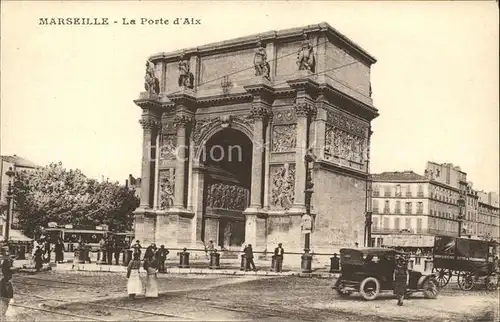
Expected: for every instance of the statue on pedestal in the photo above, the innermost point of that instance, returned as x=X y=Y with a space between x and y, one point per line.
x=260 y=62
x=186 y=78
x=305 y=57
x=151 y=82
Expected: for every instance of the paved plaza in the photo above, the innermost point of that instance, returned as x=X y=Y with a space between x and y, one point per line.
x=101 y=296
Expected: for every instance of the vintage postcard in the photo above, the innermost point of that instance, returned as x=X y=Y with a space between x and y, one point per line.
x=249 y=160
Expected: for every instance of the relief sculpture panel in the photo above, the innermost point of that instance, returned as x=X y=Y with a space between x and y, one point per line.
x=282 y=186
x=284 y=138
x=227 y=196
x=344 y=145
x=168 y=147
x=167 y=185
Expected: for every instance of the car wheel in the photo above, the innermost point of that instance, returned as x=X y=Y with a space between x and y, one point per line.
x=430 y=288
x=369 y=288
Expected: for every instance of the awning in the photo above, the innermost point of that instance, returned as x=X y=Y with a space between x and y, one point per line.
x=18 y=236
x=408 y=241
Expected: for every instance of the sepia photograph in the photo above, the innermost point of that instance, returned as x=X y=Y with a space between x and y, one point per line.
x=249 y=161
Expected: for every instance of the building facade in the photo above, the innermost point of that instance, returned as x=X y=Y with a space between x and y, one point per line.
x=410 y=209
x=17 y=164
x=235 y=132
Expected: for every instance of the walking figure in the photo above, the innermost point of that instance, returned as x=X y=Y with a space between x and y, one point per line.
x=151 y=268
x=400 y=279
x=249 y=257
x=6 y=295
x=134 y=284
x=278 y=257
x=161 y=257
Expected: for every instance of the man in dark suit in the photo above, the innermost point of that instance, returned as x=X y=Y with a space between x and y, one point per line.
x=249 y=257
x=161 y=257
x=278 y=256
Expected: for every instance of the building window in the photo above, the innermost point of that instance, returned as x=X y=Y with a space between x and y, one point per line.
x=420 y=208
x=408 y=191
x=408 y=223
x=374 y=223
x=386 y=207
x=420 y=190
x=419 y=225
x=408 y=208
x=387 y=191
x=398 y=207
x=375 y=206
x=398 y=190
x=386 y=223
x=396 y=223
x=376 y=190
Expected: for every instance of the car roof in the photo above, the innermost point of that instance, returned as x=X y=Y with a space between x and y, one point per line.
x=371 y=250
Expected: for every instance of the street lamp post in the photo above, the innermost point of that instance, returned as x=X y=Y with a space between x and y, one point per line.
x=10 y=194
x=461 y=204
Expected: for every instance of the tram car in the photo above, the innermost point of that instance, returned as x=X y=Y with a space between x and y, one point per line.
x=471 y=260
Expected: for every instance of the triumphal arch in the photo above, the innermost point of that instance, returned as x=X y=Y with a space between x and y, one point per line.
x=237 y=134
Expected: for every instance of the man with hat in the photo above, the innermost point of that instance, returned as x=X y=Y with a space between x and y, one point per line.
x=400 y=278
x=278 y=257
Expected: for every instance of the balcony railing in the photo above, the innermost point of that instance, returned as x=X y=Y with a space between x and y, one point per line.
x=420 y=194
x=413 y=231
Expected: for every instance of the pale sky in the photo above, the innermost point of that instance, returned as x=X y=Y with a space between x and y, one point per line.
x=67 y=91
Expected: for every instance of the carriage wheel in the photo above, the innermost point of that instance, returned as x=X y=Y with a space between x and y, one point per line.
x=443 y=276
x=466 y=281
x=491 y=282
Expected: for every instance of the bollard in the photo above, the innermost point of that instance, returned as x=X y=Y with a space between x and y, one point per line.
x=334 y=264
x=127 y=257
x=243 y=262
x=306 y=264
x=22 y=252
x=183 y=259
x=214 y=260
x=273 y=263
x=81 y=256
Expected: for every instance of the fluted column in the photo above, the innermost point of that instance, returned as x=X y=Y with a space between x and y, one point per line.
x=181 y=121
x=147 y=124
x=303 y=109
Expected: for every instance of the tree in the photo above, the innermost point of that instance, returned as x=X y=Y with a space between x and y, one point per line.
x=69 y=197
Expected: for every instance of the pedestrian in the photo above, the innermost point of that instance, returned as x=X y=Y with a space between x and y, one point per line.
x=151 y=266
x=400 y=279
x=7 y=264
x=48 y=250
x=59 y=250
x=38 y=258
x=102 y=242
x=134 y=284
x=278 y=257
x=6 y=295
x=161 y=257
x=110 y=249
x=118 y=248
x=150 y=251
x=137 y=247
x=249 y=257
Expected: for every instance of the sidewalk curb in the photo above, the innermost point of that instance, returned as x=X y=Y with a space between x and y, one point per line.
x=195 y=271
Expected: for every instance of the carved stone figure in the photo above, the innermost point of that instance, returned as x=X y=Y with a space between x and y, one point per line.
x=260 y=62
x=167 y=185
x=305 y=57
x=167 y=150
x=226 y=196
x=284 y=138
x=186 y=78
x=283 y=181
x=344 y=145
x=151 y=82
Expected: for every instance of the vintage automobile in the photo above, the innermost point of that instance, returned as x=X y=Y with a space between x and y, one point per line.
x=369 y=271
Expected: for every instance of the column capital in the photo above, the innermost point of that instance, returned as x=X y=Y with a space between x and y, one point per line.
x=304 y=108
x=261 y=110
x=183 y=120
x=149 y=123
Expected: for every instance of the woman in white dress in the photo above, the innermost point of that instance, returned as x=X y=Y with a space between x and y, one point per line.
x=134 y=284
x=151 y=267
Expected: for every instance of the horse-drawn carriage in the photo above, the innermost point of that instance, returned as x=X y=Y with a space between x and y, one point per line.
x=470 y=260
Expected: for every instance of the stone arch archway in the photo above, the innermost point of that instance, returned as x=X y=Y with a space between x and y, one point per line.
x=205 y=129
x=226 y=159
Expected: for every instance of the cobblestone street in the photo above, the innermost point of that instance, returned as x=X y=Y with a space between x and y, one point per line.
x=83 y=296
